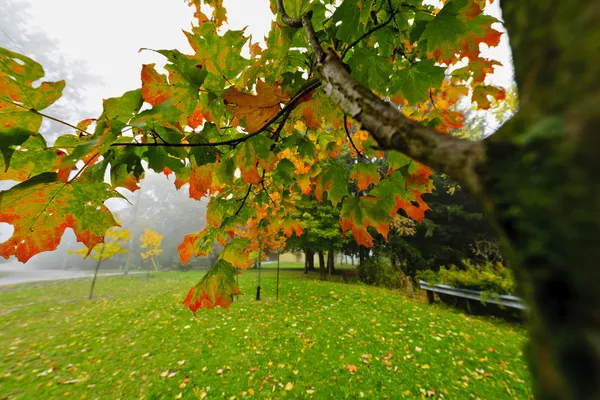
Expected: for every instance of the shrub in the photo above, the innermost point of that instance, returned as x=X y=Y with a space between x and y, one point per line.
x=492 y=278
x=378 y=270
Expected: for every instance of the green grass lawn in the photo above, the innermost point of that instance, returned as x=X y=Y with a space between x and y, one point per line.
x=320 y=340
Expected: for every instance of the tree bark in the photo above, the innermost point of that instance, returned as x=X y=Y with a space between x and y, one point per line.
x=322 y=265
x=361 y=256
x=311 y=261
x=330 y=261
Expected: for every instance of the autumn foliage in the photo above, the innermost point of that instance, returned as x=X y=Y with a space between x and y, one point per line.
x=218 y=111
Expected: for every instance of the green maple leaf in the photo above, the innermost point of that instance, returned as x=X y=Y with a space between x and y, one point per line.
x=222 y=54
x=41 y=208
x=333 y=180
x=123 y=108
x=31 y=159
x=190 y=68
x=284 y=172
x=444 y=31
x=371 y=69
x=126 y=169
x=415 y=81
x=348 y=15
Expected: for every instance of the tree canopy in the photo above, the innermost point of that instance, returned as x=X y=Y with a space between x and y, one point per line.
x=256 y=127
x=255 y=140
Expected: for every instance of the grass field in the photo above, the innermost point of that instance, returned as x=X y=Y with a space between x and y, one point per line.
x=320 y=340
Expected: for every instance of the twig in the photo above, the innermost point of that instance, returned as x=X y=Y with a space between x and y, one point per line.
x=350 y=137
x=308 y=87
x=368 y=33
x=244 y=200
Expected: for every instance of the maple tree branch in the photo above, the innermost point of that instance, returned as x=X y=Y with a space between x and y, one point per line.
x=293 y=22
x=459 y=158
x=244 y=200
x=41 y=114
x=308 y=87
x=369 y=33
x=350 y=137
x=456 y=157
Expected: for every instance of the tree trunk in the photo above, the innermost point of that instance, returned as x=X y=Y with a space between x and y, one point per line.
x=322 y=265
x=311 y=260
x=361 y=256
x=95 y=276
x=543 y=191
x=306 y=261
x=330 y=261
x=538 y=177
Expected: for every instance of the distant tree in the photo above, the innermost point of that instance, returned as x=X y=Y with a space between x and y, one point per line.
x=151 y=241
x=114 y=242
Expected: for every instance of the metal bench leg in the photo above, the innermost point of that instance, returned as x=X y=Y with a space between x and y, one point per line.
x=430 y=297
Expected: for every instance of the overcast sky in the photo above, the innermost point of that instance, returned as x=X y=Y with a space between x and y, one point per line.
x=108 y=34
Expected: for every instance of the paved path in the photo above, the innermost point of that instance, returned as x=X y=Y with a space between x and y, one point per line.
x=13 y=276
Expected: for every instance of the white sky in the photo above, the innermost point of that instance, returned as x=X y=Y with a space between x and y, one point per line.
x=108 y=34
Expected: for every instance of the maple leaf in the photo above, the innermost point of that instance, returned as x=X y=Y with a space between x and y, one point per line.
x=443 y=33
x=236 y=253
x=41 y=208
x=201 y=180
x=155 y=88
x=416 y=212
x=333 y=180
x=482 y=92
x=365 y=175
x=216 y=288
x=415 y=82
x=18 y=96
x=253 y=152
x=290 y=226
x=358 y=213
x=257 y=109
x=33 y=157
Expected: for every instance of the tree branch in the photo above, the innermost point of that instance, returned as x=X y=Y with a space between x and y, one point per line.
x=456 y=157
x=308 y=87
x=461 y=159
x=244 y=200
x=350 y=137
x=293 y=22
x=369 y=33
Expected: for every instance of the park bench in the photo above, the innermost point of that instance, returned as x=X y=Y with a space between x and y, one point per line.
x=469 y=294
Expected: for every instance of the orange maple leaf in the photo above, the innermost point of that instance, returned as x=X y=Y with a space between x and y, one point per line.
x=257 y=109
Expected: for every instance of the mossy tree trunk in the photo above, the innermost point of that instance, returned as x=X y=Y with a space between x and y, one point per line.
x=538 y=178
x=542 y=190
